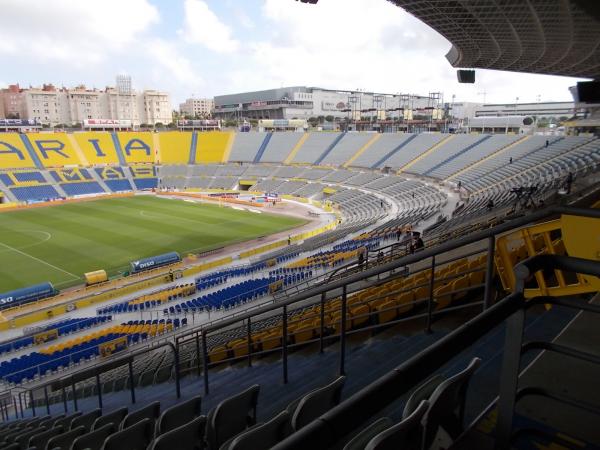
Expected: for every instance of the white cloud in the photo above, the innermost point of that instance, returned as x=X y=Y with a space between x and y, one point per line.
x=170 y=64
x=74 y=31
x=339 y=44
x=202 y=26
x=372 y=45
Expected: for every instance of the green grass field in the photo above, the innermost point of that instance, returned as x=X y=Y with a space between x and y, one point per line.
x=60 y=243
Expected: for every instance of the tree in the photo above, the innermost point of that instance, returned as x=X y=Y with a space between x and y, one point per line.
x=329 y=118
x=542 y=122
x=321 y=119
x=172 y=125
x=159 y=125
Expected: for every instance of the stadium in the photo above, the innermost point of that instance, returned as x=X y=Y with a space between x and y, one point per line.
x=228 y=289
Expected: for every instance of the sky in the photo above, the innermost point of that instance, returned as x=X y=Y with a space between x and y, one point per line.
x=203 y=48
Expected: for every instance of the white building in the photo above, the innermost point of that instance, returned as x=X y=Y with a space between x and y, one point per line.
x=469 y=110
x=53 y=106
x=301 y=102
x=197 y=107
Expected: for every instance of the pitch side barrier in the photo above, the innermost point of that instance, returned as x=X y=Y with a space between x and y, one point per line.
x=26 y=295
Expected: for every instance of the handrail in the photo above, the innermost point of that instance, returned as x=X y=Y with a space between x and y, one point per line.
x=332 y=426
x=401 y=262
x=95 y=371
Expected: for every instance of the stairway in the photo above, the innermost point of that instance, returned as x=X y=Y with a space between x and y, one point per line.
x=457 y=154
x=193 y=146
x=50 y=180
x=98 y=179
x=119 y=150
x=392 y=152
x=426 y=153
x=329 y=149
x=493 y=155
x=7 y=193
x=262 y=148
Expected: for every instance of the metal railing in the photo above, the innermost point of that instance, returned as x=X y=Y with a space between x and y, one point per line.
x=334 y=426
x=24 y=398
x=199 y=335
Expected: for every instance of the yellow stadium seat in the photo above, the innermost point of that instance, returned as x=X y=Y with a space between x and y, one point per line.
x=442 y=296
x=239 y=347
x=218 y=354
x=474 y=264
x=359 y=316
x=387 y=311
x=175 y=147
x=405 y=302
x=460 y=283
x=476 y=278
x=97 y=146
x=305 y=331
x=270 y=340
x=13 y=152
x=336 y=321
x=421 y=293
x=54 y=149
x=137 y=147
x=213 y=146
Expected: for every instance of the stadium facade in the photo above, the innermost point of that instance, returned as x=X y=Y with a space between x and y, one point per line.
x=303 y=102
x=469 y=110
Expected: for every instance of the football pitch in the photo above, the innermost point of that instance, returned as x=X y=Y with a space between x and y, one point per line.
x=60 y=243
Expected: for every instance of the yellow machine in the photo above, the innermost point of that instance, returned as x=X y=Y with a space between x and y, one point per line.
x=95 y=277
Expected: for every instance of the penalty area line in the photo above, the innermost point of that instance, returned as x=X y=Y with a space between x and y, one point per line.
x=39 y=260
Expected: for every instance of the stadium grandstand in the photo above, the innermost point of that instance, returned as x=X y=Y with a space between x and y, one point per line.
x=359 y=290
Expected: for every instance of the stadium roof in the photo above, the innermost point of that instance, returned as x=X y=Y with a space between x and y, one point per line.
x=554 y=37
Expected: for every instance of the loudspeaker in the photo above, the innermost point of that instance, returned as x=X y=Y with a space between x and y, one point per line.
x=588 y=91
x=465 y=76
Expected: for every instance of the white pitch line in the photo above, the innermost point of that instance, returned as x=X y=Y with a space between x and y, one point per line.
x=39 y=260
x=47 y=235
